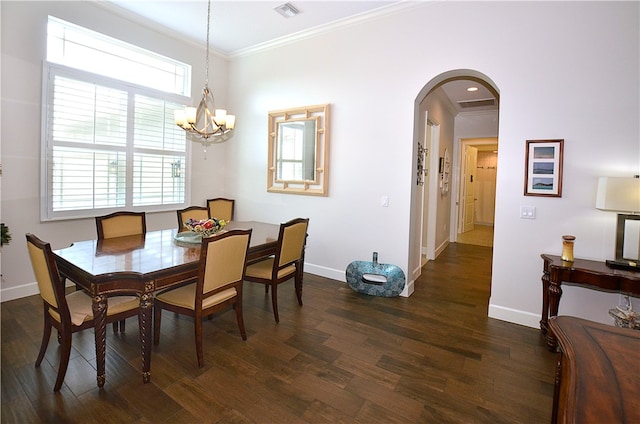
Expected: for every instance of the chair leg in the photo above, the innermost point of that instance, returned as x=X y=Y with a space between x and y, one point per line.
x=46 y=334
x=274 y=301
x=65 y=352
x=115 y=327
x=198 y=331
x=122 y=325
x=298 y=286
x=157 y=317
x=237 y=306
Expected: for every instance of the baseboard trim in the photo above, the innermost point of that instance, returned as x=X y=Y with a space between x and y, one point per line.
x=441 y=248
x=13 y=293
x=25 y=290
x=323 y=271
x=514 y=316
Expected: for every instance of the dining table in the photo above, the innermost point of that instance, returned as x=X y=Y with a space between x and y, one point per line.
x=142 y=265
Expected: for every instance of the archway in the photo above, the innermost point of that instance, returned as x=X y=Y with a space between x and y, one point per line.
x=421 y=116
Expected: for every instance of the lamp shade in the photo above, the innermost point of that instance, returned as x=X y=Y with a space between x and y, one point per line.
x=618 y=194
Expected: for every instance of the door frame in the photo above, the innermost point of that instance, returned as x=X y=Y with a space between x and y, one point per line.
x=412 y=267
x=463 y=143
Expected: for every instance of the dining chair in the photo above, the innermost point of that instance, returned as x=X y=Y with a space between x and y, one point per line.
x=221 y=208
x=67 y=313
x=193 y=212
x=285 y=264
x=219 y=285
x=121 y=224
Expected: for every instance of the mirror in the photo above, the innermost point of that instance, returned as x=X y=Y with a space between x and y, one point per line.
x=298 y=150
x=628 y=238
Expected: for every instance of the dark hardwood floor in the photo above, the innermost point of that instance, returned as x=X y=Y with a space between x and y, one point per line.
x=343 y=357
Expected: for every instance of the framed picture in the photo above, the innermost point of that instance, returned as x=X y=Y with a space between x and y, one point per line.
x=543 y=168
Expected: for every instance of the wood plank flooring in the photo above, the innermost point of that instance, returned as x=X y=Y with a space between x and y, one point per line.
x=343 y=357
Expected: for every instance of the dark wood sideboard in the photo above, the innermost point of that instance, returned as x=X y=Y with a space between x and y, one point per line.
x=598 y=373
x=595 y=275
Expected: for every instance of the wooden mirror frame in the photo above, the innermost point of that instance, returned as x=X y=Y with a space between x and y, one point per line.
x=319 y=185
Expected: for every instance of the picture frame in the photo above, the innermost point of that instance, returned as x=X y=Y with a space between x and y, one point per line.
x=543 y=168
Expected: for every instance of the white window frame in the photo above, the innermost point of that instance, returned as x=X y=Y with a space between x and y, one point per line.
x=46 y=183
x=72 y=44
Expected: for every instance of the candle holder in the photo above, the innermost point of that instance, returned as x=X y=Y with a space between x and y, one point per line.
x=567 y=248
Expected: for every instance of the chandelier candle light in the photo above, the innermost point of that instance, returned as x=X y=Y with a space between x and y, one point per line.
x=206 y=124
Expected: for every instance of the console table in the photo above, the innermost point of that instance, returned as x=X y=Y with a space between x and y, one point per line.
x=598 y=374
x=595 y=275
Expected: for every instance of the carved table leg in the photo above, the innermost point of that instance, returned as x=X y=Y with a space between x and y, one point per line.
x=146 y=327
x=555 y=293
x=99 y=307
x=544 y=320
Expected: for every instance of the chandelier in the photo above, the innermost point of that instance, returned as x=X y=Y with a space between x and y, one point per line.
x=206 y=124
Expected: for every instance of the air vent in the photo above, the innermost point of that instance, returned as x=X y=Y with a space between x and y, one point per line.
x=287 y=10
x=477 y=103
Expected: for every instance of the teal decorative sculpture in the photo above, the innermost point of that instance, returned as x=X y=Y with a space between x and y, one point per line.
x=374 y=278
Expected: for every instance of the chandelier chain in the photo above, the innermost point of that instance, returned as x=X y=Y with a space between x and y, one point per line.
x=206 y=69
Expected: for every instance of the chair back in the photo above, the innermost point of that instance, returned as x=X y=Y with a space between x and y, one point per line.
x=121 y=224
x=291 y=240
x=221 y=208
x=192 y=212
x=222 y=260
x=47 y=276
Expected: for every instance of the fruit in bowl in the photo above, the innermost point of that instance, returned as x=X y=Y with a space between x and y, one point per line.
x=205 y=227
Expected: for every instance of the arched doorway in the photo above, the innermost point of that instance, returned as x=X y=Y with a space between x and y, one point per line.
x=441 y=177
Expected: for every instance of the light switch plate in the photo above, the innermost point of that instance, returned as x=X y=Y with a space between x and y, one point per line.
x=528 y=212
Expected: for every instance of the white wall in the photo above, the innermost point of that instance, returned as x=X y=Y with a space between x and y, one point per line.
x=558 y=77
x=551 y=83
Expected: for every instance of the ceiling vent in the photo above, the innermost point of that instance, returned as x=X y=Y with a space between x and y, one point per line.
x=287 y=10
x=477 y=103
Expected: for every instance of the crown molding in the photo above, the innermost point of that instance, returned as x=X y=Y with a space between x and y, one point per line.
x=381 y=12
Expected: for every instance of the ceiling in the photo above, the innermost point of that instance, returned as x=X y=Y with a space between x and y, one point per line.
x=238 y=26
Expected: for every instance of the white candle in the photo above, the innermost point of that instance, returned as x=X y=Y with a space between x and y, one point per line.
x=179 y=117
x=191 y=115
x=221 y=116
x=231 y=121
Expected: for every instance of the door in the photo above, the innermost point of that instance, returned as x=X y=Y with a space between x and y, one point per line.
x=470 y=166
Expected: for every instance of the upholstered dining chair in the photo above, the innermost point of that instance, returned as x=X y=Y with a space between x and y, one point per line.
x=192 y=212
x=219 y=285
x=121 y=224
x=67 y=313
x=285 y=264
x=221 y=208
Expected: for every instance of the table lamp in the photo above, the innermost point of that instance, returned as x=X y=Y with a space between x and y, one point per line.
x=622 y=195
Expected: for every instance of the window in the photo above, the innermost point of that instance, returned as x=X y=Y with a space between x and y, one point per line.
x=109 y=137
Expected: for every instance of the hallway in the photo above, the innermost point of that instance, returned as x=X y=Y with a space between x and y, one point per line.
x=481 y=235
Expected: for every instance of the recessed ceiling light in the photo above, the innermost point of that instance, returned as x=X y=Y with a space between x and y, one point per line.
x=472 y=89
x=287 y=10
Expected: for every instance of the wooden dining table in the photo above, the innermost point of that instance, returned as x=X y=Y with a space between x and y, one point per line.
x=142 y=265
